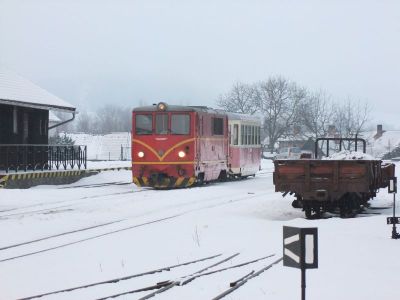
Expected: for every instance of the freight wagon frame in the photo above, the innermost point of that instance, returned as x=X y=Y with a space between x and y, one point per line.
x=330 y=185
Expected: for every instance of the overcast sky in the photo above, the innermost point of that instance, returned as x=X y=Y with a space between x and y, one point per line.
x=188 y=52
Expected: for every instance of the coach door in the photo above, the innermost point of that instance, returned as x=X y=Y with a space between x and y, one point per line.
x=199 y=121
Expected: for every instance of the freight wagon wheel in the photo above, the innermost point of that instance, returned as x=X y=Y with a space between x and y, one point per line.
x=308 y=212
x=313 y=212
x=349 y=205
x=200 y=179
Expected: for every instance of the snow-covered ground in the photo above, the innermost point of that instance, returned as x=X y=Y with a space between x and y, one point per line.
x=153 y=229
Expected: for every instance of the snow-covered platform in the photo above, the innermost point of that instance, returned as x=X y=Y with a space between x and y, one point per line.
x=27 y=179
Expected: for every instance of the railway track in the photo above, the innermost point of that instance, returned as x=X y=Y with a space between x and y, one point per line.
x=169 y=217
x=115 y=280
x=164 y=286
x=95 y=185
x=242 y=281
x=52 y=208
x=58 y=235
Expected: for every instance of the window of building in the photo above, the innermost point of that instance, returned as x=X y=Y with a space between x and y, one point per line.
x=43 y=126
x=144 y=124
x=161 y=124
x=180 y=124
x=15 y=120
x=218 y=126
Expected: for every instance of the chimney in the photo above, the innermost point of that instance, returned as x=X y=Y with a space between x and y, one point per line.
x=379 y=131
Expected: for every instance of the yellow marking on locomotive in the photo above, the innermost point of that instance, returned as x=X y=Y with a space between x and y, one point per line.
x=175 y=146
x=163 y=163
x=179 y=181
x=166 y=182
x=161 y=158
x=191 y=181
x=136 y=181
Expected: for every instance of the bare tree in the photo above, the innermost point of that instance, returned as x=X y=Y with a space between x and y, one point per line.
x=351 y=118
x=113 y=118
x=84 y=122
x=316 y=114
x=240 y=99
x=279 y=101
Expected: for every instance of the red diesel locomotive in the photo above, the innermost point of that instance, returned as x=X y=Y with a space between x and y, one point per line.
x=178 y=146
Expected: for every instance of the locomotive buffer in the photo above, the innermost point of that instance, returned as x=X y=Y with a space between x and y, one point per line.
x=392 y=189
x=300 y=250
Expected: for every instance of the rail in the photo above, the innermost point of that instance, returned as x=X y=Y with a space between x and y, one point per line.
x=24 y=157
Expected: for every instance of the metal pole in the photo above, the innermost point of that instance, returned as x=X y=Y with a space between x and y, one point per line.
x=303 y=284
x=395 y=235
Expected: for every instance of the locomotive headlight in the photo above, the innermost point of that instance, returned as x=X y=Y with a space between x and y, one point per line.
x=181 y=154
x=140 y=154
x=162 y=106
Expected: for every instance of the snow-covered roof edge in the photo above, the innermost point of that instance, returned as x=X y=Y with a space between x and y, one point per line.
x=18 y=91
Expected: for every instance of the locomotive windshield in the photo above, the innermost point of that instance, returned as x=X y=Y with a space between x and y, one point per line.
x=180 y=124
x=144 y=124
x=161 y=124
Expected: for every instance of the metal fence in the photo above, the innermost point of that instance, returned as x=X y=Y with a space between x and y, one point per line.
x=42 y=157
x=125 y=152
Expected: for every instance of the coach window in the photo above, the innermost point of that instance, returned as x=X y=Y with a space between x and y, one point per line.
x=144 y=124
x=235 y=134
x=241 y=134
x=257 y=135
x=218 y=126
x=161 y=124
x=250 y=135
x=180 y=124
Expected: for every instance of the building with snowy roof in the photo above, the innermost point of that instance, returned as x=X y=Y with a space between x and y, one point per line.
x=24 y=118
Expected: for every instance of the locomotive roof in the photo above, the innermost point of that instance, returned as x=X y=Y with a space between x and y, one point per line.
x=189 y=108
x=243 y=117
x=179 y=108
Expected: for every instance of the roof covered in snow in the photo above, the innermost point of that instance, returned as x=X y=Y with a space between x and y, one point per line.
x=377 y=147
x=16 y=90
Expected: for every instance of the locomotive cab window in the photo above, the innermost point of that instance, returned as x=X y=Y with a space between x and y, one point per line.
x=180 y=124
x=161 y=124
x=218 y=126
x=144 y=124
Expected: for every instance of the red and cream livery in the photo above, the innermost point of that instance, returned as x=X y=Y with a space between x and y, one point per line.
x=178 y=146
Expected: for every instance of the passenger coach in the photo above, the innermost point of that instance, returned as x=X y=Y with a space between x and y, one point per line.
x=178 y=146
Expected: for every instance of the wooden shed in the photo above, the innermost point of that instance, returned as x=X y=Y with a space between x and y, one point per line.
x=24 y=120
